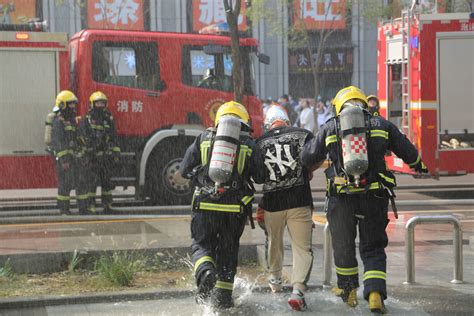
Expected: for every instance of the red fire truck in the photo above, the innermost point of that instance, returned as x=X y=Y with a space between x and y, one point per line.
x=163 y=89
x=426 y=83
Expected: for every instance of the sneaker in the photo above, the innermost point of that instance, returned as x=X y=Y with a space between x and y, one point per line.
x=348 y=296
x=297 y=301
x=376 y=304
x=275 y=285
x=206 y=284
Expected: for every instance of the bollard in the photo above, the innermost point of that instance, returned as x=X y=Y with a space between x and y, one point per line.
x=410 y=245
x=327 y=265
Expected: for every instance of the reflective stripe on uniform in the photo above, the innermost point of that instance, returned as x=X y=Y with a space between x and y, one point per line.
x=350 y=188
x=247 y=199
x=379 y=133
x=205 y=145
x=330 y=139
x=63 y=198
x=202 y=260
x=116 y=149
x=416 y=161
x=82 y=196
x=70 y=128
x=65 y=152
x=347 y=271
x=388 y=179
x=231 y=208
x=375 y=274
x=225 y=285
x=243 y=153
x=106 y=192
x=97 y=127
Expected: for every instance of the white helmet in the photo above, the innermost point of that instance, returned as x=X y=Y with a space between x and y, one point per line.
x=276 y=116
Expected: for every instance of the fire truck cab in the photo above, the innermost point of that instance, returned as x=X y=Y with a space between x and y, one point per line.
x=425 y=85
x=163 y=90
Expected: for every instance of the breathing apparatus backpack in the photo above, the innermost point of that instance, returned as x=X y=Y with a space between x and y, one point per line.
x=352 y=132
x=48 y=130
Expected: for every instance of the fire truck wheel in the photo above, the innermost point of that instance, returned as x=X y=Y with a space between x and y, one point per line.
x=166 y=186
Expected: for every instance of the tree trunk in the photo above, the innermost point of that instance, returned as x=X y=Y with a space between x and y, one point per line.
x=232 y=14
x=316 y=66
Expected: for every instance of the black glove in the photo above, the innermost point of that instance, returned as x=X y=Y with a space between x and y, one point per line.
x=420 y=167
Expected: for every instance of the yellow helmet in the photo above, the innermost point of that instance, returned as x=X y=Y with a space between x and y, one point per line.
x=97 y=96
x=234 y=108
x=347 y=94
x=63 y=98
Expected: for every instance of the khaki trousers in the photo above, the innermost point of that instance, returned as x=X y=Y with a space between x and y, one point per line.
x=300 y=226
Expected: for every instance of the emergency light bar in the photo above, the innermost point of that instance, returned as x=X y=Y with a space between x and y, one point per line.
x=33 y=26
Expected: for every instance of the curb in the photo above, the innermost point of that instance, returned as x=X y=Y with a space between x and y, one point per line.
x=110 y=297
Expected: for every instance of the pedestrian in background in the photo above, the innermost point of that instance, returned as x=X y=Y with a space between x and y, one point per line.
x=284 y=101
x=287 y=202
x=323 y=111
x=307 y=118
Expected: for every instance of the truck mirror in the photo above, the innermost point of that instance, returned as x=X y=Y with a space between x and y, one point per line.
x=213 y=49
x=264 y=59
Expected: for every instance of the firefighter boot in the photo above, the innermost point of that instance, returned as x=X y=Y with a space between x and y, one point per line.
x=63 y=206
x=206 y=282
x=107 y=202
x=376 y=304
x=221 y=299
x=348 y=296
x=297 y=301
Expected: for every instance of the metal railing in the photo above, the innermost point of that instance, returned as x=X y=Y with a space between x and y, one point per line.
x=410 y=244
x=327 y=263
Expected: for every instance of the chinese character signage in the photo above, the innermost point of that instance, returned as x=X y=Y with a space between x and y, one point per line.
x=334 y=61
x=207 y=12
x=17 y=11
x=319 y=14
x=115 y=14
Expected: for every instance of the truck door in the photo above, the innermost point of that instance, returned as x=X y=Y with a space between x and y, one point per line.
x=129 y=74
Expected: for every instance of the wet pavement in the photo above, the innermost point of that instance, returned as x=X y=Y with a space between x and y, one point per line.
x=433 y=294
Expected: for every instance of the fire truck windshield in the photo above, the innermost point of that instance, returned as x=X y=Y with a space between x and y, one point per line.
x=214 y=71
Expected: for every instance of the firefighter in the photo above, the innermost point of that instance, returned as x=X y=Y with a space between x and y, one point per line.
x=358 y=190
x=98 y=155
x=221 y=161
x=287 y=201
x=374 y=104
x=63 y=145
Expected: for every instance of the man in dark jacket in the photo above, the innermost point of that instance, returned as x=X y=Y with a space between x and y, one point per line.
x=286 y=201
x=359 y=200
x=63 y=145
x=220 y=209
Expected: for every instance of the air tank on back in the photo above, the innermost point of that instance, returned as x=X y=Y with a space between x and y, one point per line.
x=354 y=141
x=224 y=151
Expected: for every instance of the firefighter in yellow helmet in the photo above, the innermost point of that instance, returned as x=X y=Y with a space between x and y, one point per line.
x=222 y=162
x=98 y=155
x=63 y=145
x=358 y=190
x=374 y=104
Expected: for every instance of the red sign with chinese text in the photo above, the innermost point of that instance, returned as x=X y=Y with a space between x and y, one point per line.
x=17 y=11
x=115 y=14
x=207 y=12
x=320 y=14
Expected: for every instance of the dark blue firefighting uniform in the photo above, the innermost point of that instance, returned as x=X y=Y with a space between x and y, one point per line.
x=98 y=148
x=365 y=206
x=63 y=145
x=218 y=222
